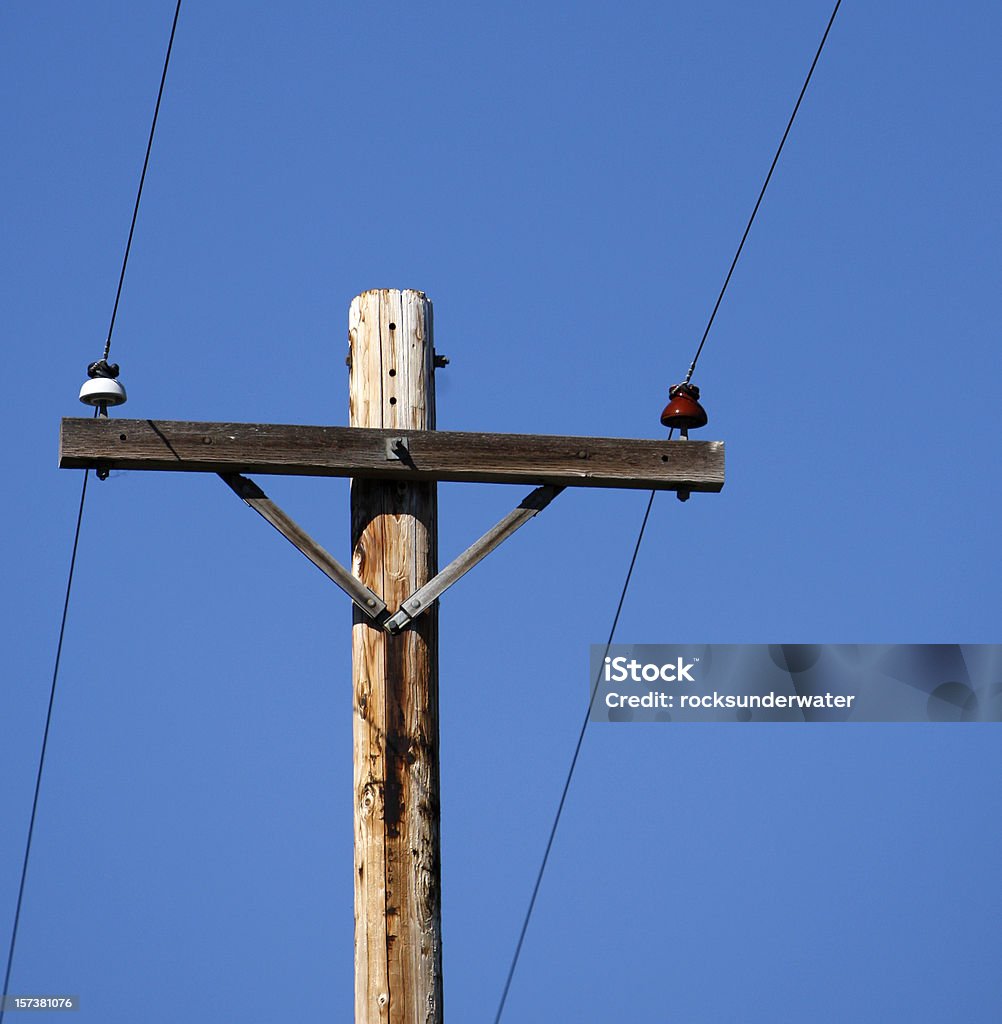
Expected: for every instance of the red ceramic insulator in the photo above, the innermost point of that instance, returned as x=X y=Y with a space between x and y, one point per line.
x=683 y=411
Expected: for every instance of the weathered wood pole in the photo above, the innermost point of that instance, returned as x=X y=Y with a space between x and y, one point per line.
x=398 y=948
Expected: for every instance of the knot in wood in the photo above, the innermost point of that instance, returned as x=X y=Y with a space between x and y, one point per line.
x=370 y=797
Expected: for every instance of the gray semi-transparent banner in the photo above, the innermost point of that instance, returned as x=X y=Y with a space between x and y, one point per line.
x=796 y=683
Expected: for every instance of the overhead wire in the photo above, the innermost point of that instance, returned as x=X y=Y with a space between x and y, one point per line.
x=76 y=539
x=640 y=536
x=142 y=181
x=570 y=771
x=761 y=194
x=45 y=743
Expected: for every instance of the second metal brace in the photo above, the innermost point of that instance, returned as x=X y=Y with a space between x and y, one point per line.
x=423 y=598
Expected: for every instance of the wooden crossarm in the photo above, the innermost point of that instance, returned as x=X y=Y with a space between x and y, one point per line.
x=410 y=455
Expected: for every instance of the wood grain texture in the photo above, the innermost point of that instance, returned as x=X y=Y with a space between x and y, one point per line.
x=361 y=451
x=398 y=955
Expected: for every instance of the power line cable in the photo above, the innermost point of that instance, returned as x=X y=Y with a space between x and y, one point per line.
x=45 y=743
x=570 y=771
x=76 y=533
x=761 y=195
x=643 y=526
x=142 y=181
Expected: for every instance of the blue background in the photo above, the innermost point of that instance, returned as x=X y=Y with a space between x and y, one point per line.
x=568 y=183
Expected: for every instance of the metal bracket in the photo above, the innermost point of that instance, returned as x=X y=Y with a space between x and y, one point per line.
x=397 y=449
x=371 y=604
x=421 y=600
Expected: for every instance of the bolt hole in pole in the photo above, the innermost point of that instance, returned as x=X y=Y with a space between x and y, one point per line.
x=393 y=327
x=393 y=373
x=393 y=401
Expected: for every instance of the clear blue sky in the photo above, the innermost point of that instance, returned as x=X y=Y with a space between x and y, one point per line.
x=567 y=182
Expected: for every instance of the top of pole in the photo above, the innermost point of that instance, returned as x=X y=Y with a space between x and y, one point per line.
x=392 y=360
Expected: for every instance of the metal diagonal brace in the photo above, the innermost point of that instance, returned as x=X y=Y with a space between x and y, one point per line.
x=370 y=603
x=422 y=599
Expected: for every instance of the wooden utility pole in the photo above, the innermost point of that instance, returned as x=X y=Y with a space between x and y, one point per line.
x=398 y=933
x=395 y=456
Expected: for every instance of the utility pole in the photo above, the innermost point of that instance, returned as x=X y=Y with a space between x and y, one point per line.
x=394 y=456
x=398 y=926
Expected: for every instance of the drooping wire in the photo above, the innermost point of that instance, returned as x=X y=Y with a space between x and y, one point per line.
x=45 y=743
x=761 y=195
x=76 y=536
x=142 y=181
x=570 y=770
x=643 y=526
